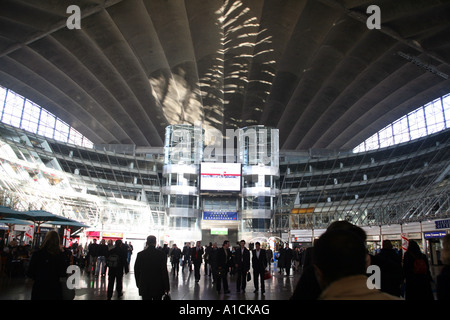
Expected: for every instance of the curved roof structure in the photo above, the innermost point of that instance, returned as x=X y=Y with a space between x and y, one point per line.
x=311 y=68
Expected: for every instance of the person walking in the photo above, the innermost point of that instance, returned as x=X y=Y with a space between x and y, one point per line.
x=47 y=266
x=102 y=250
x=223 y=264
x=259 y=264
x=242 y=264
x=150 y=272
x=117 y=264
x=175 y=257
x=207 y=262
x=93 y=254
x=269 y=255
x=197 y=258
x=281 y=259
x=213 y=261
x=187 y=256
x=288 y=256
x=129 y=252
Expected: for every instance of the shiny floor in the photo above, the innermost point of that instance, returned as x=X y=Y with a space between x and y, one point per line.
x=183 y=287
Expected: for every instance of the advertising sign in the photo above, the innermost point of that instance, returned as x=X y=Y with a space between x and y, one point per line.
x=442 y=224
x=220 y=215
x=220 y=177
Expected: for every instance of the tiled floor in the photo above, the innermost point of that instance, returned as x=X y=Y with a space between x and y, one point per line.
x=183 y=287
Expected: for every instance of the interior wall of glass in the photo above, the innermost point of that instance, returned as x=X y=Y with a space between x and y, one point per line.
x=259 y=145
x=430 y=118
x=183 y=144
x=22 y=113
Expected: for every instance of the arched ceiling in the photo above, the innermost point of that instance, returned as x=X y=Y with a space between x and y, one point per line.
x=311 y=68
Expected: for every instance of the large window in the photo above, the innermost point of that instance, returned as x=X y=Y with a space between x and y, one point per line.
x=428 y=119
x=22 y=113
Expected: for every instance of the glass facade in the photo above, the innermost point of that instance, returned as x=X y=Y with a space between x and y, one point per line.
x=259 y=154
x=25 y=114
x=430 y=118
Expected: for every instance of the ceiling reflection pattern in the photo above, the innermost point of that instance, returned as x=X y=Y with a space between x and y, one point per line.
x=311 y=68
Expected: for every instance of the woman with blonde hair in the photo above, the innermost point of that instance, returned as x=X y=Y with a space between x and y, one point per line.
x=443 y=279
x=47 y=265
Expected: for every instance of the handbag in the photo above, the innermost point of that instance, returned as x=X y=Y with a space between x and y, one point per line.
x=249 y=276
x=267 y=275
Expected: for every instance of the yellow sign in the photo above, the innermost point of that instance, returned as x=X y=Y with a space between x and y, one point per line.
x=302 y=210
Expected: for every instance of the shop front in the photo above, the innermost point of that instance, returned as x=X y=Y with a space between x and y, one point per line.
x=434 y=246
x=99 y=235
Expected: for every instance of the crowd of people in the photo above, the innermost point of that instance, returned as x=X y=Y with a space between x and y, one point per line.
x=219 y=262
x=336 y=267
x=14 y=257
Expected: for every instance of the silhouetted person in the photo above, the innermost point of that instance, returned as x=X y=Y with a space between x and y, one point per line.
x=175 y=257
x=117 y=265
x=287 y=256
x=223 y=264
x=417 y=274
x=47 y=266
x=341 y=261
x=308 y=287
x=93 y=255
x=390 y=265
x=213 y=261
x=150 y=272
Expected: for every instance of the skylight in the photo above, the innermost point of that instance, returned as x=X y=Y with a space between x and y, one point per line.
x=22 y=113
x=430 y=118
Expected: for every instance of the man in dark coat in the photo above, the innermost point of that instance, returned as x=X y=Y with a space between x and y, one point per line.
x=186 y=256
x=150 y=272
x=213 y=261
x=223 y=264
x=288 y=256
x=242 y=264
x=117 y=264
x=93 y=254
x=390 y=264
x=197 y=258
x=259 y=264
x=175 y=257
x=281 y=259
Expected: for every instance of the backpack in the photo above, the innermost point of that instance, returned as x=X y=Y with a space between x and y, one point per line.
x=113 y=261
x=420 y=266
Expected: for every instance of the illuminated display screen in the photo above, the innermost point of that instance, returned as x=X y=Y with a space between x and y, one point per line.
x=220 y=176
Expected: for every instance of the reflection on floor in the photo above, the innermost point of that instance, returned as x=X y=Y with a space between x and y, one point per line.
x=183 y=287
